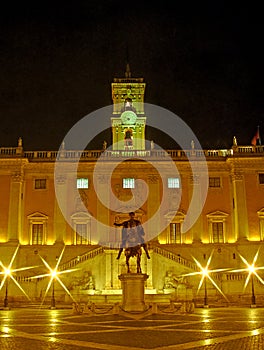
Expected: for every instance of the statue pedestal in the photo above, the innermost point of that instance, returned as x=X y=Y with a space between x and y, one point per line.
x=133 y=286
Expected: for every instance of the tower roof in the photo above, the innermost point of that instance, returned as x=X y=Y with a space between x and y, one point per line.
x=127 y=78
x=127 y=73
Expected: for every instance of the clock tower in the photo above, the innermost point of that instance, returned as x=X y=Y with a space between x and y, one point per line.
x=128 y=118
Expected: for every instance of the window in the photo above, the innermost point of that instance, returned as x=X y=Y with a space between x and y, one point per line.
x=175 y=233
x=218 y=232
x=173 y=182
x=82 y=228
x=261 y=179
x=128 y=183
x=37 y=228
x=40 y=184
x=214 y=181
x=82 y=234
x=37 y=233
x=217 y=226
x=174 y=227
x=82 y=183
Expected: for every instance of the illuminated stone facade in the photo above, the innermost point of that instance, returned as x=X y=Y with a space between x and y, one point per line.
x=231 y=222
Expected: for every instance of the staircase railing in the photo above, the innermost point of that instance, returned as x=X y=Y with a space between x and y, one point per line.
x=81 y=258
x=175 y=257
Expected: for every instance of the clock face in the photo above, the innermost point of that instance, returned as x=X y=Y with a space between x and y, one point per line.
x=128 y=117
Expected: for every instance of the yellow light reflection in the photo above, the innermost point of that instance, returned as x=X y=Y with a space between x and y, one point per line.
x=206 y=320
x=208 y=341
x=5 y=329
x=255 y=332
x=52 y=339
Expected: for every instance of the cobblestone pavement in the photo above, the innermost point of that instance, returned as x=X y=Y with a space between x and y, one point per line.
x=205 y=329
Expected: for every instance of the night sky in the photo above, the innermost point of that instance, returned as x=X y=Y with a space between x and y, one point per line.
x=204 y=62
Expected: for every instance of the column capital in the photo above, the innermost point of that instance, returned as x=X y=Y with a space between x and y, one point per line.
x=17 y=176
x=237 y=177
x=153 y=179
x=195 y=179
x=61 y=180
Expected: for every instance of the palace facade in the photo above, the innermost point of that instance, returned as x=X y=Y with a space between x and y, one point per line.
x=227 y=235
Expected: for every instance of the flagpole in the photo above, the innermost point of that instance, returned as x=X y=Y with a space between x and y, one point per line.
x=259 y=139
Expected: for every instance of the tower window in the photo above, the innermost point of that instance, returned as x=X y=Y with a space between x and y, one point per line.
x=128 y=183
x=173 y=182
x=82 y=183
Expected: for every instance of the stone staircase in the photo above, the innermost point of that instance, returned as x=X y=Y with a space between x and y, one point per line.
x=81 y=258
x=166 y=253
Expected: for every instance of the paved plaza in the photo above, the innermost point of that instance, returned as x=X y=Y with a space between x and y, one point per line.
x=218 y=328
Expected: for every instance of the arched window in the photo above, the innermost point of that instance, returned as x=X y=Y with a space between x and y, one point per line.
x=128 y=138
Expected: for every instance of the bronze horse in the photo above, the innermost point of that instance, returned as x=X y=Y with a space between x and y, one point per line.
x=135 y=251
x=133 y=247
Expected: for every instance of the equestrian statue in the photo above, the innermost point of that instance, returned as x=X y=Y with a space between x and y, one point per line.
x=132 y=241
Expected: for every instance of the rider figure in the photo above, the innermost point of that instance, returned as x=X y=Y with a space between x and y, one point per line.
x=128 y=227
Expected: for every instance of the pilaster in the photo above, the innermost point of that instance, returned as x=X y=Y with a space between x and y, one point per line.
x=196 y=207
x=102 y=216
x=153 y=227
x=240 y=208
x=15 y=206
x=59 y=220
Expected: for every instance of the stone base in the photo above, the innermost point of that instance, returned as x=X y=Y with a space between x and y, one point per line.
x=133 y=291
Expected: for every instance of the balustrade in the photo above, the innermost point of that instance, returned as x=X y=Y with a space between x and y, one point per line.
x=6 y=152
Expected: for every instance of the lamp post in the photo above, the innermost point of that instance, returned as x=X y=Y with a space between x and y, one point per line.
x=205 y=293
x=53 y=302
x=6 y=295
x=253 y=297
x=251 y=271
x=205 y=274
x=7 y=274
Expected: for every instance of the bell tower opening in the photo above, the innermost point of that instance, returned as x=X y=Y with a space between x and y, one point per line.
x=128 y=139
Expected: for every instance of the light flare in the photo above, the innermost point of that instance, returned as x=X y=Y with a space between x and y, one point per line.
x=251 y=269
x=8 y=272
x=54 y=274
x=205 y=273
